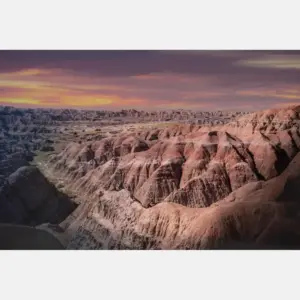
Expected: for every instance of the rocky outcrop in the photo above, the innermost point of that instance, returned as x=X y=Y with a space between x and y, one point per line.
x=191 y=187
x=263 y=214
x=190 y=166
x=27 y=197
x=268 y=121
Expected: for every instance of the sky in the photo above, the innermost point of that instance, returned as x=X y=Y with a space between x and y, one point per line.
x=150 y=80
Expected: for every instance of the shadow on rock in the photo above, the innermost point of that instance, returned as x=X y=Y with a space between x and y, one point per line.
x=17 y=237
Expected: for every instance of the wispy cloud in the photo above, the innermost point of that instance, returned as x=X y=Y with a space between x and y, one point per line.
x=284 y=62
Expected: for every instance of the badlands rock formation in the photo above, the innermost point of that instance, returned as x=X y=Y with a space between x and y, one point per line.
x=186 y=186
x=185 y=164
x=23 y=132
x=18 y=117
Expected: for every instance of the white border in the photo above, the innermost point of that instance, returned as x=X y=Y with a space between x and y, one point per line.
x=149 y=275
x=158 y=24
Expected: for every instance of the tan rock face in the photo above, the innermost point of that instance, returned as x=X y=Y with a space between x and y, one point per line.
x=192 y=187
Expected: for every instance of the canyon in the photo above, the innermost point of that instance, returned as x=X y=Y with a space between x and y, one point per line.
x=161 y=183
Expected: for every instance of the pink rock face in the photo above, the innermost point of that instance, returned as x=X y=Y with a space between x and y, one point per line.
x=160 y=184
x=257 y=214
x=268 y=121
x=191 y=187
x=203 y=190
x=186 y=164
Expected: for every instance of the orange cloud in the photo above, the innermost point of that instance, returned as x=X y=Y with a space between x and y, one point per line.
x=19 y=101
x=31 y=72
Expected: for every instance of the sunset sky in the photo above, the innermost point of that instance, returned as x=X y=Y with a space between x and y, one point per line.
x=112 y=80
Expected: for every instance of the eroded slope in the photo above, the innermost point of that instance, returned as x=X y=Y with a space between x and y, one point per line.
x=186 y=186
